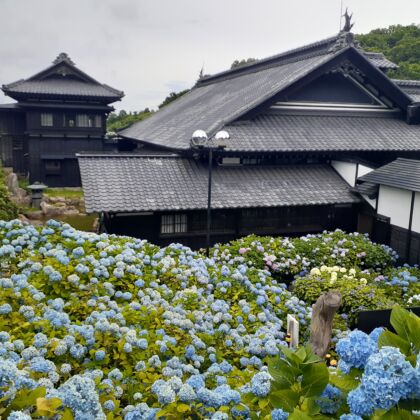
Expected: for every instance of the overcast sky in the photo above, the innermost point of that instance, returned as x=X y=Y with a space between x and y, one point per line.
x=149 y=48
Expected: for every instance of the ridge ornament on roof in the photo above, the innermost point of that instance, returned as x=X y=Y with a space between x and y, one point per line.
x=348 y=25
x=345 y=37
x=63 y=57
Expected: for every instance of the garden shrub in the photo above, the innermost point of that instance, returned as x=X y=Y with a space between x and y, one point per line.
x=358 y=290
x=8 y=210
x=287 y=257
x=103 y=326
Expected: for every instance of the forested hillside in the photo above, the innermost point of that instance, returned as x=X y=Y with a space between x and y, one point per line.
x=401 y=44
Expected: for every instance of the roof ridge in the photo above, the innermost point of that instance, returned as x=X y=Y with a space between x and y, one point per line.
x=268 y=60
x=406 y=82
x=61 y=59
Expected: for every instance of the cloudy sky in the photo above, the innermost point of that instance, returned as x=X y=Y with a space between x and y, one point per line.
x=149 y=48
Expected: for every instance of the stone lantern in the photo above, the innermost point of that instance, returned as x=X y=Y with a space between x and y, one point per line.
x=37 y=190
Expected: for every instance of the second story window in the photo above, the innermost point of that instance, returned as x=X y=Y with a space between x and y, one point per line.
x=98 y=121
x=82 y=120
x=46 y=119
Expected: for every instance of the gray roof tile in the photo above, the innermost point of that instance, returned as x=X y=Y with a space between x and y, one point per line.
x=67 y=87
x=208 y=107
x=293 y=133
x=401 y=173
x=62 y=78
x=139 y=183
x=411 y=87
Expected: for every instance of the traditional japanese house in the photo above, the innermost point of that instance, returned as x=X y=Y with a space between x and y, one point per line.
x=393 y=190
x=303 y=126
x=59 y=111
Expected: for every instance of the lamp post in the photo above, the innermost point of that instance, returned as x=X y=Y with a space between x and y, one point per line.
x=200 y=141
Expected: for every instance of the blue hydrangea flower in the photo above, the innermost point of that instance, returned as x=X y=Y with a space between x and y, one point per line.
x=261 y=384
x=279 y=414
x=330 y=400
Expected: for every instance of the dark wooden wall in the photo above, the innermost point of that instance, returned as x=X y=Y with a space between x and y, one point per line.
x=234 y=223
x=12 y=138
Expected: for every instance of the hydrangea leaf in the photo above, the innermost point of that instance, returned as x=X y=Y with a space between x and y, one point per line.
x=283 y=374
x=299 y=415
x=47 y=406
x=315 y=379
x=285 y=399
x=413 y=323
x=346 y=382
x=387 y=338
x=399 y=322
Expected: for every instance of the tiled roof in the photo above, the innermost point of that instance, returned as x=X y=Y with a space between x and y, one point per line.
x=380 y=61
x=210 y=106
x=401 y=173
x=294 y=133
x=411 y=87
x=219 y=99
x=64 y=86
x=139 y=183
x=369 y=189
x=62 y=78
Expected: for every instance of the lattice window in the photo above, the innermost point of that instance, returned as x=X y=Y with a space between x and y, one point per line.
x=82 y=120
x=173 y=223
x=46 y=119
x=98 y=121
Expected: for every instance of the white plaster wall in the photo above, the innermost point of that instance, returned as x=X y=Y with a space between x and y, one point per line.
x=416 y=214
x=395 y=203
x=363 y=170
x=347 y=170
x=371 y=202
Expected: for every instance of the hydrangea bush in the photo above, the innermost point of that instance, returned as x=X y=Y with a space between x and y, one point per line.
x=286 y=257
x=108 y=327
x=149 y=329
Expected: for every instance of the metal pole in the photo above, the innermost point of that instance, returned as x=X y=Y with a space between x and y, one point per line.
x=209 y=202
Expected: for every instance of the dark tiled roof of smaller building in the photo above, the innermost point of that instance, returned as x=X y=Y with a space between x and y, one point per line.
x=138 y=183
x=411 y=87
x=63 y=87
x=297 y=133
x=401 y=173
x=380 y=61
x=62 y=78
x=367 y=188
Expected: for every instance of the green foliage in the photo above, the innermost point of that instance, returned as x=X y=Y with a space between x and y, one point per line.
x=8 y=210
x=358 y=290
x=299 y=378
x=400 y=44
x=286 y=257
x=243 y=62
x=407 y=336
x=172 y=97
x=123 y=119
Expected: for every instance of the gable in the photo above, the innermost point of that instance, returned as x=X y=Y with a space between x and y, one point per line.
x=216 y=102
x=63 y=70
x=333 y=88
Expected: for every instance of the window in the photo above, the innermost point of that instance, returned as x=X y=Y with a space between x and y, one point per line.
x=173 y=223
x=46 y=119
x=82 y=120
x=98 y=121
x=52 y=167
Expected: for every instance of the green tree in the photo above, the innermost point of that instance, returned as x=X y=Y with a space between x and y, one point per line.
x=172 y=97
x=400 y=44
x=8 y=210
x=243 y=62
